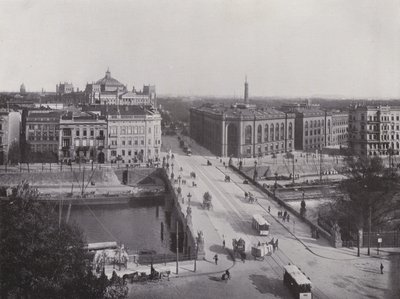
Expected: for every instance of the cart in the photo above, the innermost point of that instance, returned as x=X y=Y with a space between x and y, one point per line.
x=262 y=250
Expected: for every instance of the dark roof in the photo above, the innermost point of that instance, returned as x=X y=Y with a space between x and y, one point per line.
x=43 y=114
x=108 y=80
x=120 y=109
x=231 y=111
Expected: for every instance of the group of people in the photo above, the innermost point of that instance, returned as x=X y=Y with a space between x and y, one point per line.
x=285 y=216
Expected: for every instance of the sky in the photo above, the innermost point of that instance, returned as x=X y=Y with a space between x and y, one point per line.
x=287 y=48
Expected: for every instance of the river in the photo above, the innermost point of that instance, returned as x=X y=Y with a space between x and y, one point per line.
x=137 y=227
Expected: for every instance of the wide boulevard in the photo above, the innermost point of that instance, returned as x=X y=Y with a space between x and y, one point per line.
x=334 y=272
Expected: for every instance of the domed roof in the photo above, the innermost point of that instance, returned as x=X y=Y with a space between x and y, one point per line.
x=108 y=80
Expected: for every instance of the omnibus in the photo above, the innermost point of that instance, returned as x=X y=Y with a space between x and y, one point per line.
x=261 y=225
x=298 y=283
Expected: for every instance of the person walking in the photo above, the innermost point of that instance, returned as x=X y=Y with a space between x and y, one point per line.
x=216 y=259
x=269 y=209
x=382 y=268
x=223 y=243
x=276 y=244
x=288 y=217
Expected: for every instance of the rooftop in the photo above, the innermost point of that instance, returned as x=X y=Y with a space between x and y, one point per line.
x=242 y=110
x=108 y=80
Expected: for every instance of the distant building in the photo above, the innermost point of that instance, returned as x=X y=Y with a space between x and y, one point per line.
x=22 y=89
x=43 y=130
x=109 y=91
x=10 y=127
x=83 y=137
x=64 y=88
x=374 y=130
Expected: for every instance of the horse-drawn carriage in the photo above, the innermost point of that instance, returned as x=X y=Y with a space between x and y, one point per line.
x=239 y=247
x=193 y=175
x=227 y=178
x=207 y=201
x=209 y=163
x=250 y=197
x=207 y=204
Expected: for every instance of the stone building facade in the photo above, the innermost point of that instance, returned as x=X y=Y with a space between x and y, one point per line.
x=374 y=130
x=133 y=133
x=340 y=128
x=83 y=137
x=42 y=130
x=242 y=130
x=313 y=129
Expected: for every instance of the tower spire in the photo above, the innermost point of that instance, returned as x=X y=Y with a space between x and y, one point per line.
x=246 y=91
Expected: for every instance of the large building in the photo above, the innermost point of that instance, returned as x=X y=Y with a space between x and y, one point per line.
x=134 y=133
x=10 y=129
x=242 y=130
x=374 y=130
x=109 y=91
x=42 y=130
x=313 y=129
x=83 y=137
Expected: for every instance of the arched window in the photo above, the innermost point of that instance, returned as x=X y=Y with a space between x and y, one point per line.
x=290 y=130
x=259 y=134
x=247 y=135
x=319 y=123
x=315 y=123
x=329 y=126
x=277 y=131
x=306 y=125
x=310 y=123
x=272 y=132
x=282 y=131
x=266 y=133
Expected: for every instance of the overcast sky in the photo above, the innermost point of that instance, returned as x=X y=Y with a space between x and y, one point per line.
x=304 y=48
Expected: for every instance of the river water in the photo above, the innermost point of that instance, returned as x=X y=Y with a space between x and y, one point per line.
x=137 y=227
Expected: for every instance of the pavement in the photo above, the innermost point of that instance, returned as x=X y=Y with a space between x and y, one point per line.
x=334 y=272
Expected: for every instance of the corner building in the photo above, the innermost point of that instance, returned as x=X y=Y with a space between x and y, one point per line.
x=242 y=130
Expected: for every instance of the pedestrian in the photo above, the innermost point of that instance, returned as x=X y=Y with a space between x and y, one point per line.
x=382 y=268
x=288 y=217
x=223 y=243
x=284 y=217
x=216 y=259
x=276 y=244
x=269 y=209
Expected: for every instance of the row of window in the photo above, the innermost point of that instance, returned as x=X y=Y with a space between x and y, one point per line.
x=43 y=127
x=271 y=133
x=316 y=123
x=271 y=148
x=123 y=153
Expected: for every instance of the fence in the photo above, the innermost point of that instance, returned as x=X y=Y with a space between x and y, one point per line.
x=163 y=258
x=389 y=239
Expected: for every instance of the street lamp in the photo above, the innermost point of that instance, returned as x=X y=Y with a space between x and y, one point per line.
x=276 y=182
x=255 y=171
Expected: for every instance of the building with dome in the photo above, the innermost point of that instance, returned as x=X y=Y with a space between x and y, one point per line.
x=22 y=89
x=109 y=91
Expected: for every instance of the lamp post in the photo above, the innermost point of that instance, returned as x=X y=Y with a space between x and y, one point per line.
x=196 y=250
x=255 y=171
x=276 y=182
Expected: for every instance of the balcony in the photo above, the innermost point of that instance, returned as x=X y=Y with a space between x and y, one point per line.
x=100 y=137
